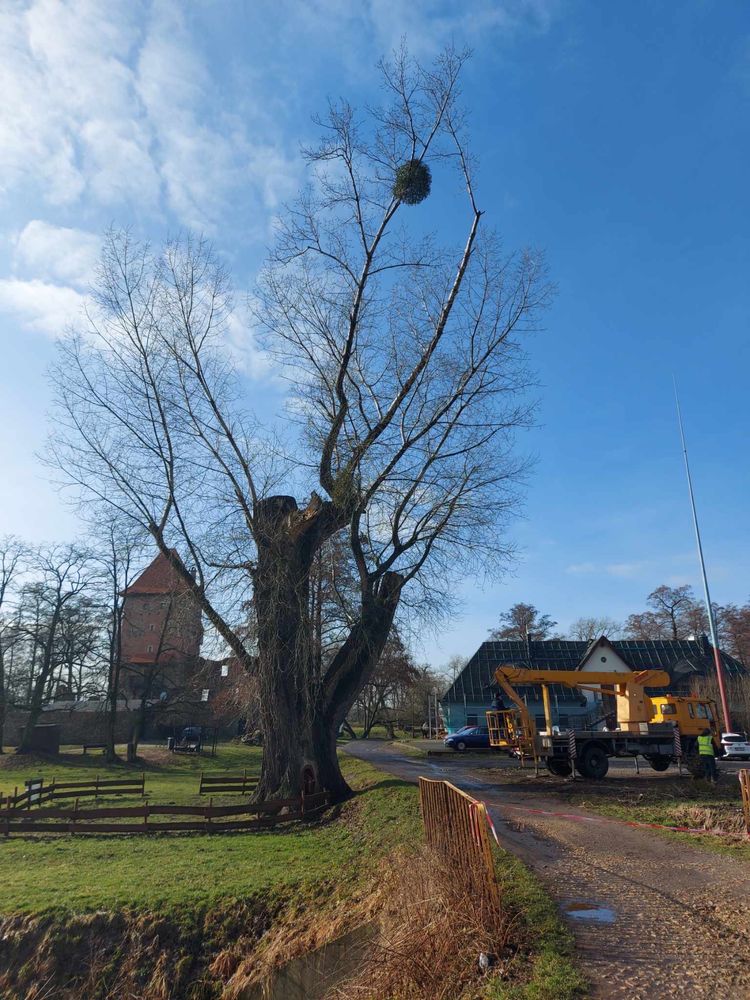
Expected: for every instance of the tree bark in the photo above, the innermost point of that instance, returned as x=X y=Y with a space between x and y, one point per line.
x=300 y=713
x=287 y=542
x=351 y=669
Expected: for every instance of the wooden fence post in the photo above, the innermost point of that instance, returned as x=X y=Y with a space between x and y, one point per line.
x=744 y=776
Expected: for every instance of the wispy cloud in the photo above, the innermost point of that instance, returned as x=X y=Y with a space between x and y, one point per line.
x=57 y=252
x=626 y=569
x=40 y=305
x=377 y=26
x=581 y=568
x=115 y=104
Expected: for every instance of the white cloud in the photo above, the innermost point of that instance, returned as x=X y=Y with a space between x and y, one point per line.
x=626 y=569
x=41 y=306
x=56 y=252
x=580 y=568
x=366 y=30
x=243 y=347
x=112 y=103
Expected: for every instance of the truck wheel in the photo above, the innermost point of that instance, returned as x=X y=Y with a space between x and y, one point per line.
x=659 y=762
x=592 y=762
x=560 y=768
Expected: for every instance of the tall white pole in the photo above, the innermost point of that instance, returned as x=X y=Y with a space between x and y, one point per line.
x=709 y=606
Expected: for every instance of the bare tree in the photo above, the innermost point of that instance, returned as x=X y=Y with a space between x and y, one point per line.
x=405 y=375
x=62 y=574
x=673 y=613
x=13 y=556
x=523 y=621
x=734 y=624
x=118 y=544
x=588 y=629
x=383 y=695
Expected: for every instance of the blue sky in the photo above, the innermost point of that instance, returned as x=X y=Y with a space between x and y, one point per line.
x=616 y=136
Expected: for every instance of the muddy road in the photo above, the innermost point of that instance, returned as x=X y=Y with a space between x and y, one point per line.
x=653 y=917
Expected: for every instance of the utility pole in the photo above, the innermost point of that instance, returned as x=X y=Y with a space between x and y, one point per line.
x=709 y=606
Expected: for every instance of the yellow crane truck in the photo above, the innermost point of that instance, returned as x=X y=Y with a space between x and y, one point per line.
x=646 y=726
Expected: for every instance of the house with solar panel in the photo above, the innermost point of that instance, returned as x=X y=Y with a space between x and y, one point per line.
x=471 y=693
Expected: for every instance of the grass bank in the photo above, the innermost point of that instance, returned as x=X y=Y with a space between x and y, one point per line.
x=170 y=916
x=548 y=949
x=79 y=874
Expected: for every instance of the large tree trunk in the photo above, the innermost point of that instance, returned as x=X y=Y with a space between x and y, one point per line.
x=351 y=669
x=300 y=714
x=286 y=547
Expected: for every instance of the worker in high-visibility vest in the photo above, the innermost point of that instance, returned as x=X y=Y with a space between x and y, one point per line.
x=707 y=756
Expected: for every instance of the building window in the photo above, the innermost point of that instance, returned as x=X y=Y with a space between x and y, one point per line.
x=149 y=649
x=563 y=722
x=225 y=670
x=134 y=631
x=472 y=720
x=204 y=694
x=540 y=721
x=152 y=627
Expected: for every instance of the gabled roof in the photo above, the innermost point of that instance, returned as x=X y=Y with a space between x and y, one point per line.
x=680 y=657
x=159 y=577
x=602 y=643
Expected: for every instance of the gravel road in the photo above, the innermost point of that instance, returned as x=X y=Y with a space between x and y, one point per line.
x=653 y=917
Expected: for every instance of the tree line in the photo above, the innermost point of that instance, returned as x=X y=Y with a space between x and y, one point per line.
x=62 y=621
x=670 y=613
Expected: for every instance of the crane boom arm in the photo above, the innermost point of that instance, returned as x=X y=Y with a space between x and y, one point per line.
x=580 y=678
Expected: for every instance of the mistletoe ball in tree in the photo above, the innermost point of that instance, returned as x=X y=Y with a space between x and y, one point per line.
x=413 y=182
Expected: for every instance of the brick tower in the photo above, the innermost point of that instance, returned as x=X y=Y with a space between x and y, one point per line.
x=161 y=633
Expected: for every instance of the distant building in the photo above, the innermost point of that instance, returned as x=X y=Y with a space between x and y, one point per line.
x=470 y=695
x=161 y=633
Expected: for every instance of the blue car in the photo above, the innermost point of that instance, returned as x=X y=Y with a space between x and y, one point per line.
x=469 y=738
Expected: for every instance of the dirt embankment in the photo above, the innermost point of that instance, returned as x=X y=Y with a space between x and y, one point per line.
x=180 y=955
x=104 y=955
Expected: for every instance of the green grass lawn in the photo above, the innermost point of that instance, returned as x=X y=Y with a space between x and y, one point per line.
x=301 y=866
x=170 y=778
x=65 y=873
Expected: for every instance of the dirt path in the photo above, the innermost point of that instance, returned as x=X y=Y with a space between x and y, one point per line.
x=652 y=917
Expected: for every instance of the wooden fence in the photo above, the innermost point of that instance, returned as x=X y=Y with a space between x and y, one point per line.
x=212 y=784
x=456 y=826
x=140 y=819
x=37 y=792
x=744 y=776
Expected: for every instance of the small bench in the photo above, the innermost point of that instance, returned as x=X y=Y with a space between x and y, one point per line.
x=94 y=746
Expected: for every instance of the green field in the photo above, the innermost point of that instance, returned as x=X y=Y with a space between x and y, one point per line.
x=62 y=873
x=304 y=868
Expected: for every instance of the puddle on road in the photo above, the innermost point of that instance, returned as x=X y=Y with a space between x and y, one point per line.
x=589 y=911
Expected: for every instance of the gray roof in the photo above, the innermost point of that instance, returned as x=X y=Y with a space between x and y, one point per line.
x=680 y=657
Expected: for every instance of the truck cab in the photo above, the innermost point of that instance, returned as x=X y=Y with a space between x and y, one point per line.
x=691 y=715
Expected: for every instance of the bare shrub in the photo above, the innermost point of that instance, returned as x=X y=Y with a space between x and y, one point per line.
x=721 y=818
x=433 y=926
